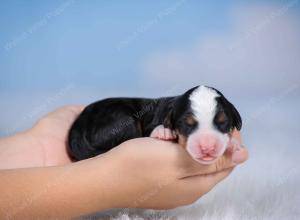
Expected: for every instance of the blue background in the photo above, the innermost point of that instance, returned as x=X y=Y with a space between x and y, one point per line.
x=56 y=53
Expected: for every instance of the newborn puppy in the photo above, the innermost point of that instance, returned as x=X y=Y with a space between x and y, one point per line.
x=201 y=120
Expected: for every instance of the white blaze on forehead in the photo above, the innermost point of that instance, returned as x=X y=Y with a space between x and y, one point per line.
x=203 y=104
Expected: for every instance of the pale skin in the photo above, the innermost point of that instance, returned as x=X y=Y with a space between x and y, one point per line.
x=39 y=180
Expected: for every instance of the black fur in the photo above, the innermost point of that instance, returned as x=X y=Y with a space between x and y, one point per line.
x=109 y=122
x=234 y=118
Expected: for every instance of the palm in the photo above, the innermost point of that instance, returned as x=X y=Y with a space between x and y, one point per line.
x=52 y=132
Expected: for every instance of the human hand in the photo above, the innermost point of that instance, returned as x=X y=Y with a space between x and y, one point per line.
x=142 y=173
x=51 y=133
x=150 y=173
x=45 y=144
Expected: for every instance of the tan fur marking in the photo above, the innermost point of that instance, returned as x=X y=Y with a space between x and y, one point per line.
x=190 y=120
x=182 y=140
x=221 y=117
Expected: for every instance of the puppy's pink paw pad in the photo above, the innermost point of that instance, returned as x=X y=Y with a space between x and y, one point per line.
x=163 y=133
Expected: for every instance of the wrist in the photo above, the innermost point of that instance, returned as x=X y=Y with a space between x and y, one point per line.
x=19 y=151
x=105 y=181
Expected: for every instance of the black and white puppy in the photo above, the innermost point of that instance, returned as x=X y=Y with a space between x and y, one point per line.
x=201 y=120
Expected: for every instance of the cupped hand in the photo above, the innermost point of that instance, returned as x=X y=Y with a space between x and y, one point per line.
x=142 y=173
x=51 y=133
x=161 y=175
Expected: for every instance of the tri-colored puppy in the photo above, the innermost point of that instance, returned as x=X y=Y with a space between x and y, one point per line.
x=201 y=120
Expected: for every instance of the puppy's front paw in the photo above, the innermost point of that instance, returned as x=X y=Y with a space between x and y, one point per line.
x=163 y=133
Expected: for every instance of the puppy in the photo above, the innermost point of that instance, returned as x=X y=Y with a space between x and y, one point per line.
x=201 y=120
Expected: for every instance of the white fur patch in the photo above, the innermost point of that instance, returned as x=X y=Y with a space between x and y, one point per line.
x=203 y=104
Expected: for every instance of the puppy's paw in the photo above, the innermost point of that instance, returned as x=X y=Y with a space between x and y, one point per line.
x=163 y=133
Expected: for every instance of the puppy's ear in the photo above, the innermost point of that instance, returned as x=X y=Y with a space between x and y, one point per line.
x=237 y=120
x=232 y=111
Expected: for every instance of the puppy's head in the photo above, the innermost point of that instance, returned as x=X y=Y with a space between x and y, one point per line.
x=203 y=120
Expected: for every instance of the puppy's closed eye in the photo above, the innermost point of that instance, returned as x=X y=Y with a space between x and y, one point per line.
x=221 y=118
x=190 y=120
x=222 y=122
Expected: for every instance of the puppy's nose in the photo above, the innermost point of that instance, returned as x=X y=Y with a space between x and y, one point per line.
x=208 y=149
x=208 y=145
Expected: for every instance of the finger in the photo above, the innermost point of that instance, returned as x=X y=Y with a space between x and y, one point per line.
x=228 y=160
x=77 y=108
x=240 y=155
x=237 y=135
x=196 y=168
x=204 y=183
x=214 y=178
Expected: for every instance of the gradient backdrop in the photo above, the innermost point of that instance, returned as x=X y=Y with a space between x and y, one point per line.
x=55 y=53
